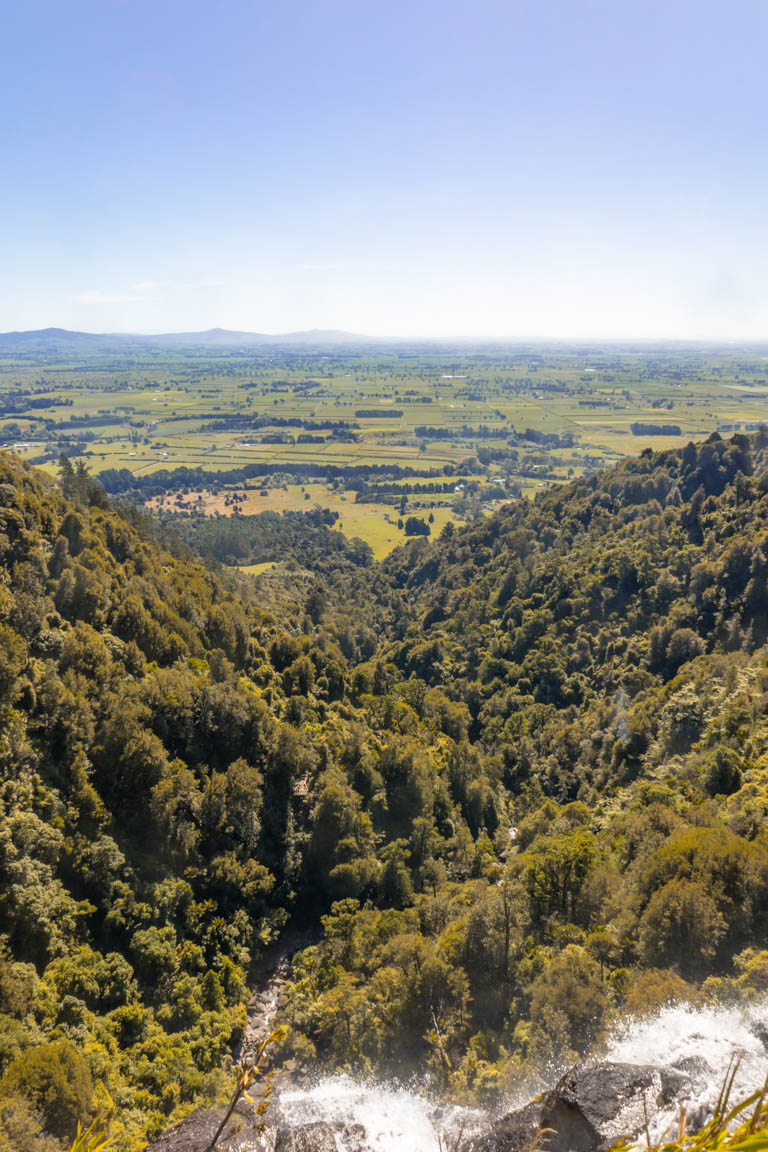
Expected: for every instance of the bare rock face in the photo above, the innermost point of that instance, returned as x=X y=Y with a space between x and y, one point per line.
x=192 y=1135
x=307 y=1138
x=196 y=1132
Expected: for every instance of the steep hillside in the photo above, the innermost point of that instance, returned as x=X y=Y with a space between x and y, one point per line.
x=587 y=604
x=534 y=800
x=607 y=643
x=179 y=771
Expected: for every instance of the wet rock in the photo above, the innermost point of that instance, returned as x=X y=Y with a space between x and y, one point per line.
x=196 y=1132
x=675 y=1084
x=192 y=1135
x=592 y=1107
x=352 y=1137
x=307 y=1138
x=261 y=1011
x=696 y=1067
x=595 y=1105
x=759 y=1029
x=513 y=1133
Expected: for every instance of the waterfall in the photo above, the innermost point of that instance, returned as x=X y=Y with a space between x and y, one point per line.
x=701 y=1042
x=373 y=1117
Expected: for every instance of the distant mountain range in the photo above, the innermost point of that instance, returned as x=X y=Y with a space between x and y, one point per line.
x=56 y=339
x=228 y=337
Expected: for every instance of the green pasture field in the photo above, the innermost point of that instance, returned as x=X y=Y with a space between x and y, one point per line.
x=151 y=409
x=257 y=569
x=375 y=523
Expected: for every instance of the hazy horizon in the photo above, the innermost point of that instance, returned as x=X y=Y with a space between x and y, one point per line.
x=513 y=172
x=587 y=341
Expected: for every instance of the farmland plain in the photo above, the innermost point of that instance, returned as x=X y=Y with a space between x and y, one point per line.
x=374 y=434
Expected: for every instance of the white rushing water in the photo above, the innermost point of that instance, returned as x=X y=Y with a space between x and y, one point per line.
x=701 y=1042
x=374 y=1117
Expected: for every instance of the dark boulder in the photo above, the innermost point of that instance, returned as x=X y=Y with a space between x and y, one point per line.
x=196 y=1132
x=307 y=1138
x=591 y=1108
x=759 y=1030
x=192 y=1135
x=695 y=1067
x=513 y=1133
x=675 y=1084
x=595 y=1105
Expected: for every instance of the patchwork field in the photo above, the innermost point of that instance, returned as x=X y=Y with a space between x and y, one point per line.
x=373 y=435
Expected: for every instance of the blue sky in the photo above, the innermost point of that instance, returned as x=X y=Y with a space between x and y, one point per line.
x=514 y=170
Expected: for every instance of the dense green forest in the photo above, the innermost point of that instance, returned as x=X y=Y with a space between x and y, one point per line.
x=515 y=777
x=305 y=538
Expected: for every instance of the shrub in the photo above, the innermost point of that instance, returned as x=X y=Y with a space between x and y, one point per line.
x=56 y=1080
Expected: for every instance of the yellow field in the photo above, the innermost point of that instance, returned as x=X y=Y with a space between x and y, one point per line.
x=376 y=524
x=256 y=569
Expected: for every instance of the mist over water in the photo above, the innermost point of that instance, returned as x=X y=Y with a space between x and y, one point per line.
x=392 y=1119
x=702 y=1042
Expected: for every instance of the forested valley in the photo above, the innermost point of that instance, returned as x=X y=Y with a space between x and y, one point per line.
x=512 y=780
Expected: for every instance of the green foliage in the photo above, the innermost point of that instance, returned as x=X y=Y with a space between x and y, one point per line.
x=21 y=1127
x=56 y=1080
x=568 y=1003
x=515 y=778
x=89 y=1139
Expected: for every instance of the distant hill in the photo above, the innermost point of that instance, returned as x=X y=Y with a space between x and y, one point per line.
x=51 y=337
x=227 y=337
x=57 y=339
